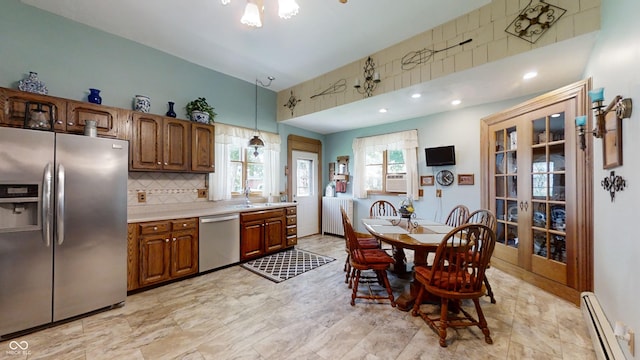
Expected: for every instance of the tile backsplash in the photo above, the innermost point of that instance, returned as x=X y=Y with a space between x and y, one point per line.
x=164 y=188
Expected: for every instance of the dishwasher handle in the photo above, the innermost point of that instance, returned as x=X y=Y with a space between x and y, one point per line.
x=205 y=220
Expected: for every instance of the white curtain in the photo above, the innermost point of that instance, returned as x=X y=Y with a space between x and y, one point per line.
x=227 y=136
x=407 y=141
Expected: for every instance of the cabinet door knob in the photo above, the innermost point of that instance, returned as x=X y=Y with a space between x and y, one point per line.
x=59 y=122
x=159 y=163
x=69 y=123
x=166 y=164
x=174 y=239
x=155 y=228
x=166 y=240
x=184 y=225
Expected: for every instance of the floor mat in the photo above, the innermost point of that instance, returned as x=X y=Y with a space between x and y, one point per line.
x=286 y=264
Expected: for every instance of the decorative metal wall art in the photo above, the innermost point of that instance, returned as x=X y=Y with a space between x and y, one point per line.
x=534 y=20
x=415 y=58
x=613 y=183
x=335 y=88
x=371 y=79
x=292 y=102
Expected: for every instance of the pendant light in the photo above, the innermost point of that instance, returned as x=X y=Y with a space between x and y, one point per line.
x=256 y=142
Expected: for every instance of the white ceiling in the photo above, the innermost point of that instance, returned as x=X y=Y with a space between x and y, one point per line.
x=325 y=35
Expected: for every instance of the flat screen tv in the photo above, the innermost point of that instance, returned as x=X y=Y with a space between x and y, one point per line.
x=439 y=156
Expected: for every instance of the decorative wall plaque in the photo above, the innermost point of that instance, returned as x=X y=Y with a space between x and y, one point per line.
x=535 y=20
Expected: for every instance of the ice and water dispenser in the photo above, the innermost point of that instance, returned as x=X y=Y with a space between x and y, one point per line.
x=19 y=207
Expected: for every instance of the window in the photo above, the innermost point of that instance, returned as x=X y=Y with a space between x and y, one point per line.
x=379 y=164
x=246 y=169
x=237 y=167
x=375 y=157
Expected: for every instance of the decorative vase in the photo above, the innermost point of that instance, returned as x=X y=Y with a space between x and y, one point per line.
x=171 y=112
x=32 y=84
x=199 y=116
x=94 y=96
x=142 y=103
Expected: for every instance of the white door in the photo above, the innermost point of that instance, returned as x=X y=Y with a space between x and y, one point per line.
x=305 y=192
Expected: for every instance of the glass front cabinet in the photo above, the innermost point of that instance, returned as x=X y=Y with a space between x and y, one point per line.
x=531 y=184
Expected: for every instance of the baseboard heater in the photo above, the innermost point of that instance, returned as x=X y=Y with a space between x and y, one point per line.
x=605 y=344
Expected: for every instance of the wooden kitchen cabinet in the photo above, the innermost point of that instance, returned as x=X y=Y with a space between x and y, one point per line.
x=159 y=143
x=20 y=107
x=202 y=147
x=110 y=122
x=292 y=225
x=160 y=251
x=262 y=232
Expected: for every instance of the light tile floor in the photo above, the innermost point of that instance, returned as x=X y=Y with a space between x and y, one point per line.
x=235 y=314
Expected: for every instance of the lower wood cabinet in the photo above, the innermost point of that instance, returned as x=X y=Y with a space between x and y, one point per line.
x=160 y=251
x=265 y=231
x=292 y=226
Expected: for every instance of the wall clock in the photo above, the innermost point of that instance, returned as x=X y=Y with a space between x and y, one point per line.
x=444 y=177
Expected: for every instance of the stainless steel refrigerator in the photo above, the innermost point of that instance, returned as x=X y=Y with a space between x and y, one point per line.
x=63 y=226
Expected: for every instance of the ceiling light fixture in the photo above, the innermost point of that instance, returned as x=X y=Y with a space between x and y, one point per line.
x=416 y=96
x=256 y=142
x=382 y=111
x=530 y=75
x=254 y=11
x=456 y=102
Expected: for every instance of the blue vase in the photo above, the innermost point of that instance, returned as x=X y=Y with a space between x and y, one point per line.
x=171 y=112
x=94 y=96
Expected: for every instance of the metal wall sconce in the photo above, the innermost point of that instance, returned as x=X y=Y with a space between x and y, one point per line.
x=371 y=79
x=608 y=126
x=622 y=107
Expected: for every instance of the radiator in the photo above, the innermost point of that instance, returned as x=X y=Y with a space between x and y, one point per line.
x=605 y=343
x=331 y=217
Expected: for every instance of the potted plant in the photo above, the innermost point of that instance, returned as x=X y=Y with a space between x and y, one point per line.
x=199 y=110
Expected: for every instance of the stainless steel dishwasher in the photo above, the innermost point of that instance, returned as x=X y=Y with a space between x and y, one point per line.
x=219 y=241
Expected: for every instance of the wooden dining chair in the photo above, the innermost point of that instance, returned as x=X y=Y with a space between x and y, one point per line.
x=365 y=241
x=457 y=216
x=361 y=260
x=382 y=208
x=488 y=218
x=457 y=273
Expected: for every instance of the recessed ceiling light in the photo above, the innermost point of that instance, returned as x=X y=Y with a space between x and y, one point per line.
x=416 y=95
x=555 y=115
x=530 y=75
x=456 y=102
x=383 y=110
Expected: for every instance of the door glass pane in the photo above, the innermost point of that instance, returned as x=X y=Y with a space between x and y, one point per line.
x=500 y=233
x=556 y=157
x=540 y=186
x=512 y=139
x=512 y=186
x=540 y=243
x=539 y=158
x=558 y=218
x=512 y=211
x=512 y=236
x=512 y=164
x=558 y=248
x=539 y=135
x=500 y=210
x=556 y=187
x=500 y=163
x=500 y=146
x=539 y=215
x=556 y=127
x=304 y=181
x=500 y=191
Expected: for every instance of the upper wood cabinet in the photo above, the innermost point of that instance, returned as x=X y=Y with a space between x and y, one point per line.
x=20 y=108
x=110 y=122
x=159 y=143
x=27 y=110
x=202 y=147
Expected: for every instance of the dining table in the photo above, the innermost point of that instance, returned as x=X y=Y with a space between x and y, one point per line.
x=420 y=235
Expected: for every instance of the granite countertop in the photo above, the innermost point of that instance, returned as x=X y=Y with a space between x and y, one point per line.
x=177 y=211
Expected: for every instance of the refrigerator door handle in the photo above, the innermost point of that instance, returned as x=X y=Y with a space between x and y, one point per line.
x=46 y=204
x=60 y=205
